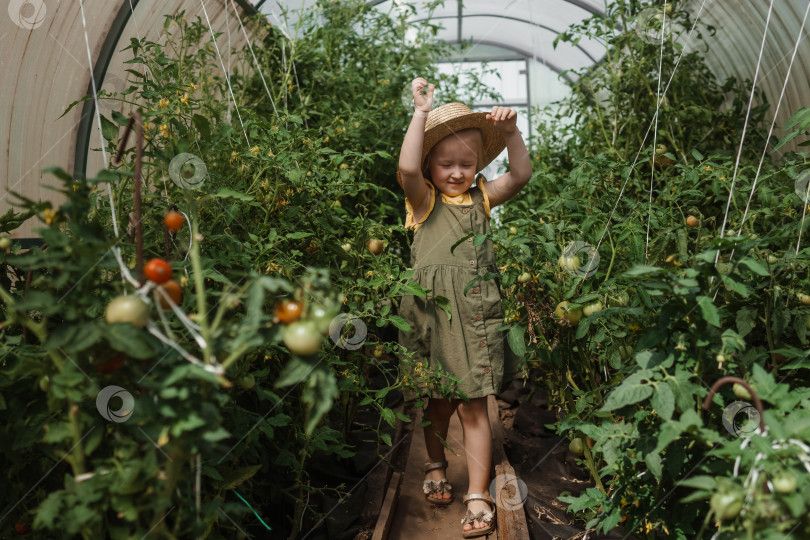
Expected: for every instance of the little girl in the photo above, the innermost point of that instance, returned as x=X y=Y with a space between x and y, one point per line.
x=443 y=149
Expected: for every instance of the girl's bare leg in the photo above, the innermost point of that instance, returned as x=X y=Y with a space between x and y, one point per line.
x=438 y=411
x=478 y=447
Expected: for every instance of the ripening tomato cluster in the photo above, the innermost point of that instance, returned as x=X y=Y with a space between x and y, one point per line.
x=129 y=308
x=303 y=335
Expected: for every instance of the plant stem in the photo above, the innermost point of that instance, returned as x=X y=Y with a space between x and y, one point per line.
x=199 y=280
x=592 y=466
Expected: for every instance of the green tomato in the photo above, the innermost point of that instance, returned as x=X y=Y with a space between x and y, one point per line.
x=576 y=447
x=590 y=309
x=784 y=482
x=524 y=277
x=773 y=259
x=512 y=230
x=741 y=391
x=127 y=309
x=247 y=381
x=44 y=383
x=726 y=505
x=5 y=242
x=378 y=351
x=569 y=262
x=322 y=317
x=302 y=338
x=346 y=247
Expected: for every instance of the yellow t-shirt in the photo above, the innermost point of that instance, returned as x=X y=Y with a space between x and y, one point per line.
x=462 y=198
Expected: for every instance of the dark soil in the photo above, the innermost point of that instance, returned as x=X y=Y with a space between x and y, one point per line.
x=541 y=459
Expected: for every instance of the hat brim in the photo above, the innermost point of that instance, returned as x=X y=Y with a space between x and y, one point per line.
x=494 y=142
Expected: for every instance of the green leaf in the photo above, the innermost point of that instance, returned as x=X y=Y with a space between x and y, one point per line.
x=119 y=118
x=582 y=327
x=296 y=370
x=444 y=303
x=400 y=323
x=479 y=239
x=226 y=193
x=697 y=155
x=516 y=340
x=231 y=479
x=754 y=266
x=388 y=415
x=745 y=316
x=710 y=313
x=319 y=395
x=663 y=401
x=699 y=482
x=415 y=289
x=133 y=341
x=216 y=435
x=202 y=125
x=641 y=270
x=736 y=286
x=800 y=118
x=633 y=389
x=88 y=334
x=108 y=129
x=653 y=462
x=49 y=510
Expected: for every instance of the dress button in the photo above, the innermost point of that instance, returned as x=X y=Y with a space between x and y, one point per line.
x=465 y=210
x=469 y=239
x=472 y=261
x=482 y=344
x=478 y=317
x=486 y=369
x=475 y=290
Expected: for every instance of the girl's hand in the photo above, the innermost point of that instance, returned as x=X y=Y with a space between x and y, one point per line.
x=504 y=118
x=421 y=101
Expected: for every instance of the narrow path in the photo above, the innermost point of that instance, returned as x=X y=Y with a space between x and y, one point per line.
x=416 y=518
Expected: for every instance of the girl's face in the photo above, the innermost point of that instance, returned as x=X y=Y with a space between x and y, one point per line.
x=453 y=162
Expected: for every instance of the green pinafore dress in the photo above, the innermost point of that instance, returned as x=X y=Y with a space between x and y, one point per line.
x=469 y=345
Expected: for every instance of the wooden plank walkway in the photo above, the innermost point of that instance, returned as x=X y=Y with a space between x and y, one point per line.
x=415 y=519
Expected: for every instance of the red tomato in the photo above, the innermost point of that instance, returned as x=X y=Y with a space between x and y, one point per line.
x=174 y=221
x=172 y=288
x=289 y=311
x=113 y=365
x=21 y=528
x=158 y=270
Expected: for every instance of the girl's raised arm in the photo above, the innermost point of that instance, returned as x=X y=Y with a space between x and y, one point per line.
x=410 y=156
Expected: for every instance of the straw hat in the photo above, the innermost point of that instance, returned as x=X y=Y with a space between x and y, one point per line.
x=453 y=117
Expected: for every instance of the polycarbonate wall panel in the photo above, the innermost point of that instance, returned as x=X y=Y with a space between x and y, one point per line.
x=735 y=48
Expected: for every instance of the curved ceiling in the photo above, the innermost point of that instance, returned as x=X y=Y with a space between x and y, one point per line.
x=46 y=61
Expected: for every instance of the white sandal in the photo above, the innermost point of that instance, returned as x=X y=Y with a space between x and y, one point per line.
x=485 y=516
x=440 y=486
